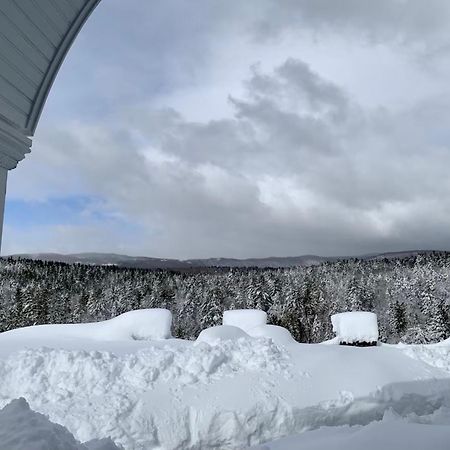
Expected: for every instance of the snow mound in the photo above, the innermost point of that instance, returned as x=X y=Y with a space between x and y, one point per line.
x=213 y=335
x=246 y=319
x=23 y=429
x=142 y=324
x=279 y=335
x=355 y=326
x=99 y=393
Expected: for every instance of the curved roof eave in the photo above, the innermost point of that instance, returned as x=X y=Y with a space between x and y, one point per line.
x=35 y=37
x=54 y=66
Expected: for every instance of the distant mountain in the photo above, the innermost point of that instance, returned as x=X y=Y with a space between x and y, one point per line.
x=144 y=262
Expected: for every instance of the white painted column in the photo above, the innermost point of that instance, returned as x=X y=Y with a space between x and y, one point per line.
x=13 y=147
x=3 y=179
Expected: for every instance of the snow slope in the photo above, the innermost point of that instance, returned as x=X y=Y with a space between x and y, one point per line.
x=23 y=429
x=392 y=432
x=227 y=394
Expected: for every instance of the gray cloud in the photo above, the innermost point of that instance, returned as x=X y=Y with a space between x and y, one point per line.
x=301 y=167
x=407 y=22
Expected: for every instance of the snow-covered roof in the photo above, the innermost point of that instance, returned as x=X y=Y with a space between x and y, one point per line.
x=35 y=36
x=355 y=326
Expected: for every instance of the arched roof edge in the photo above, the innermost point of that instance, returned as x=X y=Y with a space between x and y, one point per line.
x=55 y=65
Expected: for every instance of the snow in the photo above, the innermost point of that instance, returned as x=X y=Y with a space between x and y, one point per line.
x=392 y=432
x=279 y=335
x=355 y=326
x=246 y=319
x=227 y=390
x=23 y=429
x=213 y=335
x=141 y=324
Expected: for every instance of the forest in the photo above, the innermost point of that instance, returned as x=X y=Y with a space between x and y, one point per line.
x=410 y=295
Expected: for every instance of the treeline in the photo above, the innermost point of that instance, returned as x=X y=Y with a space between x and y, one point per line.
x=411 y=295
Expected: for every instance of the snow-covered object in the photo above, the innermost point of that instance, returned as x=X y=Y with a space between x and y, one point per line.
x=355 y=326
x=141 y=324
x=23 y=429
x=246 y=319
x=213 y=335
x=279 y=335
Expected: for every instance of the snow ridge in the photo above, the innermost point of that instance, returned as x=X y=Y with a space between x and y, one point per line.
x=98 y=394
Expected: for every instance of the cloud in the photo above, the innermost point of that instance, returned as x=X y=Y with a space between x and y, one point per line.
x=300 y=167
x=405 y=22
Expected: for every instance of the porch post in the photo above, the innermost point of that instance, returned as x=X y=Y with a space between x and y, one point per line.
x=13 y=147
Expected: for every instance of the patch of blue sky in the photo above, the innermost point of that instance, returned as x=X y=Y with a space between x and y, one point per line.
x=73 y=210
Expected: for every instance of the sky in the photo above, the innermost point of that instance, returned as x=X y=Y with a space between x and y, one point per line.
x=191 y=129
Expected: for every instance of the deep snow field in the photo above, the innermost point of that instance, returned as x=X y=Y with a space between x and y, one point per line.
x=127 y=380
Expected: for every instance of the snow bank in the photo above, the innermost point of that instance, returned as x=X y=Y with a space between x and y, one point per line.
x=213 y=335
x=355 y=326
x=142 y=324
x=23 y=429
x=246 y=319
x=184 y=395
x=390 y=433
x=136 y=398
x=280 y=335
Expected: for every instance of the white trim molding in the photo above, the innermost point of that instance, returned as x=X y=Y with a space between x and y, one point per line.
x=13 y=146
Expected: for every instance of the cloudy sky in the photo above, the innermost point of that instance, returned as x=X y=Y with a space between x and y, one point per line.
x=181 y=128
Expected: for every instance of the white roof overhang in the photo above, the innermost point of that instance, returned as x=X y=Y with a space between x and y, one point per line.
x=35 y=36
